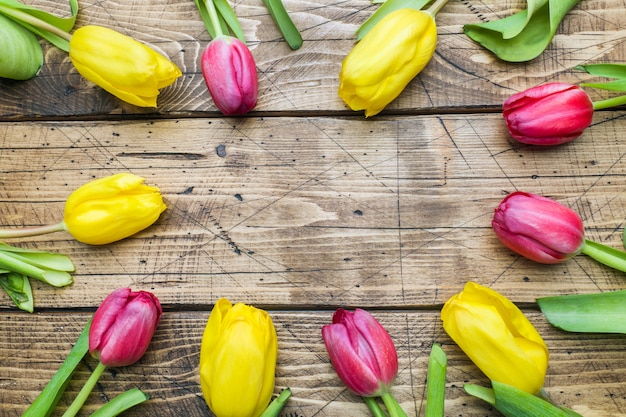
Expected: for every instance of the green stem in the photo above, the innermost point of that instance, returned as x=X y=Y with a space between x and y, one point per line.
x=609 y=102
x=80 y=399
x=374 y=407
x=214 y=19
x=605 y=255
x=31 y=231
x=436 y=6
x=393 y=408
x=32 y=20
x=279 y=402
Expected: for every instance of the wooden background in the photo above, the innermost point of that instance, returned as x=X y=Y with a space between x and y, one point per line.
x=312 y=207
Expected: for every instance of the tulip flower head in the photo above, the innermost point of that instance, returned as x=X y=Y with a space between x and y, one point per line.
x=388 y=57
x=548 y=114
x=238 y=360
x=538 y=228
x=121 y=65
x=123 y=326
x=362 y=352
x=497 y=337
x=230 y=74
x=111 y=208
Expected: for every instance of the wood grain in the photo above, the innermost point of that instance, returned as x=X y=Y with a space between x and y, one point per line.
x=304 y=206
x=585 y=371
x=461 y=74
x=333 y=210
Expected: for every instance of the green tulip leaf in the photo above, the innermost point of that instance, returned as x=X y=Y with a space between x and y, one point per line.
x=21 y=56
x=587 y=313
x=436 y=382
x=522 y=36
x=40 y=258
x=121 y=403
x=387 y=7
x=46 y=401
x=285 y=24
x=18 y=288
x=617 y=71
x=65 y=24
x=513 y=402
x=220 y=19
x=38 y=265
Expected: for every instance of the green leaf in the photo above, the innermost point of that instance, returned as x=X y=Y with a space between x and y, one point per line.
x=285 y=24
x=65 y=24
x=18 y=288
x=44 y=404
x=40 y=258
x=513 y=402
x=387 y=7
x=21 y=264
x=219 y=18
x=121 y=403
x=21 y=56
x=617 y=71
x=587 y=313
x=525 y=35
x=436 y=382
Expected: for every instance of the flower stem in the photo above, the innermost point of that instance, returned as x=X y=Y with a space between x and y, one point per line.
x=85 y=391
x=279 y=402
x=374 y=407
x=31 y=231
x=393 y=408
x=33 y=21
x=435 y=7
x=609 y=102
x=605 y=255
x=214 y=19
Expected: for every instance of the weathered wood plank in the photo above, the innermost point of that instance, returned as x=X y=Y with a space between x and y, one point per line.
x=461 y=74
x=314 y=211
x=585 y=373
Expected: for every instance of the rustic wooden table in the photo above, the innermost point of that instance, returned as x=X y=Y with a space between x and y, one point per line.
x=311 y=207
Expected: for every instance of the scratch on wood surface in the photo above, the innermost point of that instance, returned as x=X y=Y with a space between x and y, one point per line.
x=475 y=10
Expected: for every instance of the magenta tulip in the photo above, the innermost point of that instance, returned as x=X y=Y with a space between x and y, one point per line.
x=230 y=74
x=538 y=228
x=548 y=114
x=123 y=325
x=361 y=352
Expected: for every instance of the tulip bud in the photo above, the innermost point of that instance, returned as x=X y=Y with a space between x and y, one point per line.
x=21 y=57
x=121 y=65
x=538 y=228
x=388 y=57
x=122 y=327
x=548 y=114
x=230 y=74
x=362 y=352
x=238 y=360
x=111 y=208
x=497 y=337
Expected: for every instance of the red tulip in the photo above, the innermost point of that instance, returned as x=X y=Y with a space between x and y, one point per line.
x=361 y=352
x=548 y=114
x=122 y=327
x=538 y=228
x=230 y=74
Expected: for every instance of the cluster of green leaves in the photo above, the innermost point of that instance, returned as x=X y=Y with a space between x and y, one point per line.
x=18 y=265
x=220 y=19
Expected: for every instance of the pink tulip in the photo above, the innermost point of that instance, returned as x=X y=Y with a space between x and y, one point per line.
x=538 y=228
x=361 y=352
x=548 y=114
x=230 y=74
x=122 y=327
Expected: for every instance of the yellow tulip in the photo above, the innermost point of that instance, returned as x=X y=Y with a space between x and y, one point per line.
x=388 y=57
x=121 y=65
x=238 y=360
x=111 y=208
x=497 y=337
